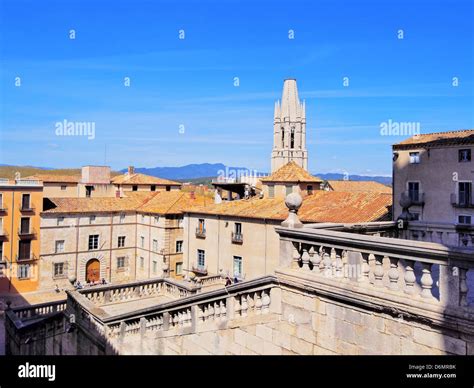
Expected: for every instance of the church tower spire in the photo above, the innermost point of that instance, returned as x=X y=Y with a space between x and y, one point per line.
x=289 y=128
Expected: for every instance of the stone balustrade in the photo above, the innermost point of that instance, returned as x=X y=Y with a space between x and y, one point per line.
x=39 y=310
x=430 y=272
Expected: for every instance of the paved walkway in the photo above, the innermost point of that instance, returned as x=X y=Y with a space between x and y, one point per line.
x=133 y=305
x=2 y=333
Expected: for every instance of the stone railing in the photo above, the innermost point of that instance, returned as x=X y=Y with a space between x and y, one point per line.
x=211 y=280
x=19 y=316
x=108 y=294
x=390 y=268
x=457 y=235
x=213 y=307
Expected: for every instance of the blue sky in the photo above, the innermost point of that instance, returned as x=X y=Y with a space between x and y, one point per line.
x=190 y=81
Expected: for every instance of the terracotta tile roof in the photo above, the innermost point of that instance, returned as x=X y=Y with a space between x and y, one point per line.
x=158 y=202
x=291 y=172
x=130 y=202
x=141 y=179
x=358 y=186
x=322 y=206
x=464 y=136
x=51 y=178
x=174 y=202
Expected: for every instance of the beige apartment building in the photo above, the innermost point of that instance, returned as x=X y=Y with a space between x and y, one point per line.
x=433 y=176
x=96 y=181
x=237 y=238
x=137 y=236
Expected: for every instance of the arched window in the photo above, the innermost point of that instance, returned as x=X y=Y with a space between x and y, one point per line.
x=292 y=138
x=282 y=137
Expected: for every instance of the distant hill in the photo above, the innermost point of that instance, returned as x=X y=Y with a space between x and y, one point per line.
x=190 y=171
x=203 y=173
x=385 y=180
x=8 y=171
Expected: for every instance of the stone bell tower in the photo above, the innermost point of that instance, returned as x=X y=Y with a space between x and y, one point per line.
x=289 y=129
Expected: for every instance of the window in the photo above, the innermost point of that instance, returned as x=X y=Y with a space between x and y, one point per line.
x=153 y=188
x=465 y=193
x=120 y=262
x=93 y=241
x=60 y=221
x=1 y=228
x=155 y=245
x=91 y=219
x=23 y=271
x=122 y=218
x=1 y=201
x=63 y=187
x=309 y=189
x=465 y=220
x=25 y=225
x=157 y=219
x=142 y=262
x=179 y=246
x=282 y=137
x=238 y=228
x=59 y=270
x=89 y=191
x=142 y=241
x=121 y=241
x=271 y=191
x=465 y=155
x=292 y=138
x=179 y=269
x=237 y=266
x=59 y=246
x=413 y=191
x=134 y=188
x=289 y=189
x=415 y=216
x=143 y=218
x=180 y=222
x=202 y=225
x=25 y=201
x=155 y=266
x=168 y=188
x=414 y=157
x=201 y=258
x=24 y=248
x=1 y=250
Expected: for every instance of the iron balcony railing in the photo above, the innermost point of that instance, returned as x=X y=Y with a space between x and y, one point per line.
x=200 y=232
x=237 y=238
x=30 y=257
x=462 y=200
x=415 y=197
x=26 y=232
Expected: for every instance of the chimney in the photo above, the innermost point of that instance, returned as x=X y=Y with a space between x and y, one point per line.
x=131 y=170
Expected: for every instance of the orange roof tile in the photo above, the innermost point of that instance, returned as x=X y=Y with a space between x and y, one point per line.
x=291 y=172
x=142 y=179
x=156 y=202
x=358 y=186
x=463 y=136
x=322 y=206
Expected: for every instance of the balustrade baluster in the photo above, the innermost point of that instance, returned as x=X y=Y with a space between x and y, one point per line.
x=244 y=305
x=265 y=302
x=426 y=281
x=305 y=258
x=258 y=303
x=296 y=256
x=327 y=263
x=365 y=268
x=409 y=277
x=393 y=274
x=463 y=287
x=378 y=271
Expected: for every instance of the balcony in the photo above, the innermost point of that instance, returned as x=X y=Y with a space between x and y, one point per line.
x=3 y=209
x=237 y=238
x=29 y=258
x=200 y=270
x=26 y=232
x=3 y=234
x=26 y=209
x=417 y=198
x=200 y=232
x=462 y=201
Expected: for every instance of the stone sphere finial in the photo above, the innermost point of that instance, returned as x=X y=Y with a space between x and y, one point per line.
x=72 y=278
x=293 y=202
